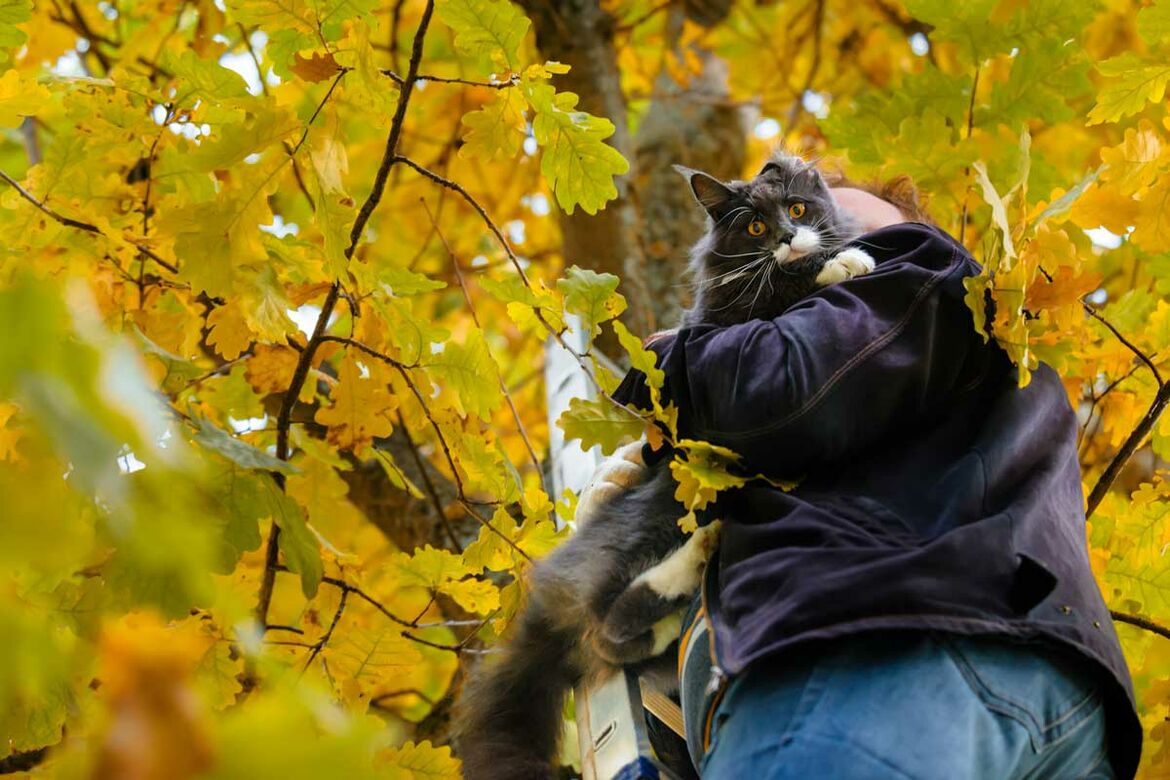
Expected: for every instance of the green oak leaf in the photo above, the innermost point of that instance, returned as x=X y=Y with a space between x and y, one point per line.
x=599 y=422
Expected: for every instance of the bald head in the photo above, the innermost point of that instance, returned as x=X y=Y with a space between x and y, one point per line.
x=870 y=211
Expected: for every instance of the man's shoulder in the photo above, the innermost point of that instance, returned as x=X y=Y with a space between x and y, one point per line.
x=916 y=245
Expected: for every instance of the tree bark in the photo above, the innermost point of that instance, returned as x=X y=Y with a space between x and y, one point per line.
x=695 y=125
x=644 y=236
x=580 y=34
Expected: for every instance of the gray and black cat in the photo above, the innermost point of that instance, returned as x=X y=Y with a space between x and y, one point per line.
x=605 y=597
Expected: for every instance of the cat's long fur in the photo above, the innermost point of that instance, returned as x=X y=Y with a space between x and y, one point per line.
x=594 y=603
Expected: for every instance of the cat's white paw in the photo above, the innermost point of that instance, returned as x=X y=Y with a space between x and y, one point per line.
x=846 y=265
x=614 y=476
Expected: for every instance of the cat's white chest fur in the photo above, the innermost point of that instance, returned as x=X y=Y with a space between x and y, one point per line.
x=847 y=264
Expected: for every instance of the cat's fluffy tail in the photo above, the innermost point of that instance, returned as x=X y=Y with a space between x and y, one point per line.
x=509 y=717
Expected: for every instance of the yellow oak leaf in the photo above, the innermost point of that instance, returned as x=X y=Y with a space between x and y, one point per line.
x=1132 y=84
x=361 y=407
x=1132 y=164
x=335 y=208
x=701 y=472
x=317 y=67
x=1120 y=412
x=270 y=368
x=491 y=550
x=1151 y=228
x=469 y=371
x=538 y=537
x=229 y=334
x=1066 y=288
x=474 y=595
x=496 y=129
x=20 y=96
x=1103 y=205
x=156 y=726
x=419 y=762
x=9 y=433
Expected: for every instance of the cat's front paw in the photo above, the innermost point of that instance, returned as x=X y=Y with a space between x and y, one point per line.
x=846 y=265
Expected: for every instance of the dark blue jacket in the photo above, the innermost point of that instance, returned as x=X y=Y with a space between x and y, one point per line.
x=934 y=493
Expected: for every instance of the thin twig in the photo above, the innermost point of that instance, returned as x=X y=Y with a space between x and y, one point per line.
x=467 y=196
x=967 y=170
x=1095 y=399
x=368 y=350
x=463 y=500
x=1144 y=426
x=320 y=106
x=245 y=38
x=1141 y=622
x=399 y=80
x=355 y=590
x=87 y=32
x=429 y=487
x=301 y=372
x=1128 y=448
x=79 y=225
x=629 y=26
x=1128 y=344
x=324 y=640
x=440 y=646
x=66 y=221
x=475 y=318
x=395 y=18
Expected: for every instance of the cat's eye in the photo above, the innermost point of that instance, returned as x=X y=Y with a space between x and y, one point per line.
x=796 y=210
x=756 y=228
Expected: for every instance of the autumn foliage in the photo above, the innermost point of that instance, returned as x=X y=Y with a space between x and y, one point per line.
x=277 y=282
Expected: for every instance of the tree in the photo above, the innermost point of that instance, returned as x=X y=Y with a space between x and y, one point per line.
x=277 y=279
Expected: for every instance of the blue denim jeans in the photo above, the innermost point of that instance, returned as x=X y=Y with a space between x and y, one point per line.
x=914 y=705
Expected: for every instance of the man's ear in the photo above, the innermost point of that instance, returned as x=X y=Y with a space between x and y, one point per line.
x=712 y=194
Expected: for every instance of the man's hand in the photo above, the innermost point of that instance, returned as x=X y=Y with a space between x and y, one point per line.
x=616 y=474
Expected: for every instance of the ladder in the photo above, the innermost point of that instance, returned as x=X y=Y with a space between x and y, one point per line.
x=611 y=723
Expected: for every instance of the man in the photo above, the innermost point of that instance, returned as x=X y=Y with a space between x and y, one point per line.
x=921 y=605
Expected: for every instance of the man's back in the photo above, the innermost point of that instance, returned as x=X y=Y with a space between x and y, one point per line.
x=934 y=494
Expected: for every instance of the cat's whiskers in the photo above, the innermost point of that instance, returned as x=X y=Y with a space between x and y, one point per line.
x=871 y=244
x=767 y=276
x=740 y=254
x=731 y=275
x=733 y=212
x=746 y=287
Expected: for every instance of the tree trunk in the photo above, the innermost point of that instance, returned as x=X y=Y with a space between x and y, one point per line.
x=643 y=236
x=580 y=34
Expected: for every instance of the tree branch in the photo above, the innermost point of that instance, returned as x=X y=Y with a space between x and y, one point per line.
x=1143 y=428
x=1128 y=448
x=319 y=645
x=429 y=487
x=1128 y=344
x=284 y=418
x=79 y=225
x=1141 y=622
x=475 y=318
x=467 y=196
x=399 y=80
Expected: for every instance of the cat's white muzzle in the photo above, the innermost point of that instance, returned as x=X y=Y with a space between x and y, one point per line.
x=804 y=241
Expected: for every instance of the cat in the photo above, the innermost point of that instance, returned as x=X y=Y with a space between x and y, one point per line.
x=610 y=596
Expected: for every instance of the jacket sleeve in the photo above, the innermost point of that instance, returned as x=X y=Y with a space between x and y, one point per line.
x=837 y=371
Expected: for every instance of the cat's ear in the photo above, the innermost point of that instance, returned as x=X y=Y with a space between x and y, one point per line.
x=712 y=194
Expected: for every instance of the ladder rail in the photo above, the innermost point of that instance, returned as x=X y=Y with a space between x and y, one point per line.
x=611 y=726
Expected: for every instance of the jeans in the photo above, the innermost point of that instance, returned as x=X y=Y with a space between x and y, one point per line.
x=911 y=705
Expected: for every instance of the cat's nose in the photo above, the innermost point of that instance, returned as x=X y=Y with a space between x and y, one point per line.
x=785 y=239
